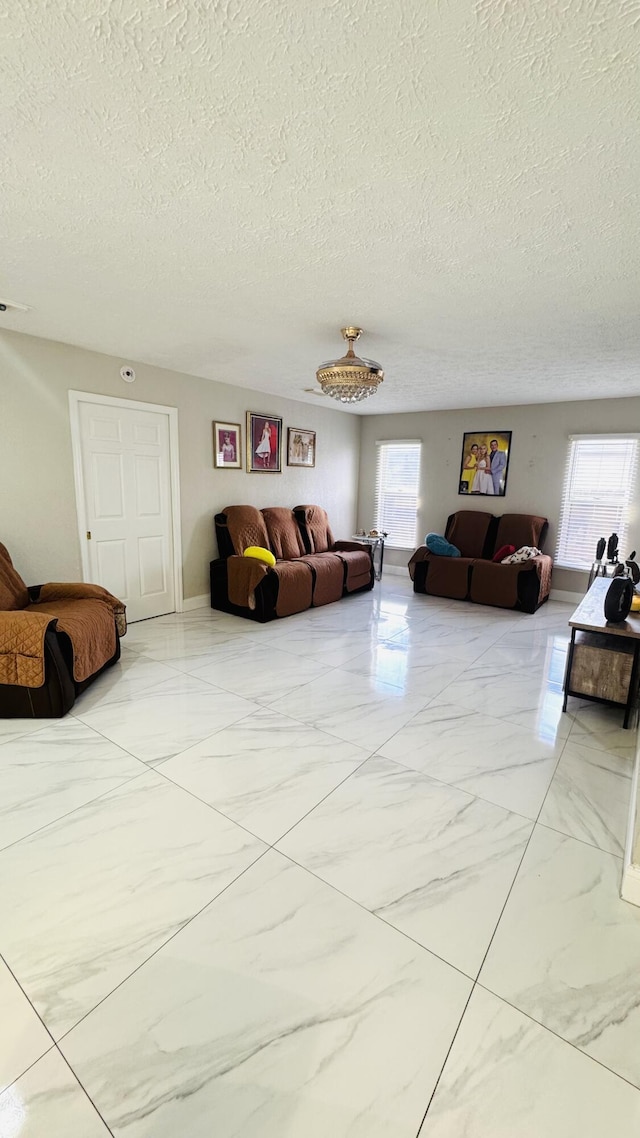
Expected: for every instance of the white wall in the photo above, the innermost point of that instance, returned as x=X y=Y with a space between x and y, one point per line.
x=37 y=496
x=539 y=447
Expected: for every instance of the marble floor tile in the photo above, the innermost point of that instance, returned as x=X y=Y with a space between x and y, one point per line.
x=409 y=668
x=283 y=1010
x=549 y=659
x=491 y=758
x=50 y=772
x=183 y=649
x=131 y=675
x=431 y=860
x=167 y=718
x=265 y=772
x=507 y=1077
x=359 y=709
x=11 y=729
x=599 y=726
x=567 y=948
x=464 y=644
x=383 y=623
x=589 y=797
x=536 y=638
x=48 y=1102
x=547 y=720
x=115 y=879
x=259 y=672
x=523 y=695
x=331 y=649
x=23 y=1036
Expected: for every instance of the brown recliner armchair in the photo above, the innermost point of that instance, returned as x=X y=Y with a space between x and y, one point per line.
x=54 y=640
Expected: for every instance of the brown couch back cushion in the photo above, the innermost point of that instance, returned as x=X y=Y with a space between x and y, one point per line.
x=246 y=527
x=317 y=526
x=13 y=591
x=521 y=529
x=467 y=530
x=284 y=535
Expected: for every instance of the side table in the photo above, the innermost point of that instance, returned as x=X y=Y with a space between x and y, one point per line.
x=604 y=659
x=377 y=551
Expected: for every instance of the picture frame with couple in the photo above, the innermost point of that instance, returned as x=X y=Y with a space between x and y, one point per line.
x=484 y=464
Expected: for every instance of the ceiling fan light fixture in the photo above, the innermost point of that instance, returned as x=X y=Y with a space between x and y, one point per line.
x=350 y=379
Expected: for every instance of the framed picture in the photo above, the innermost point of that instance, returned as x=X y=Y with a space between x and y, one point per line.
x=484 y=463
x=264 y=443
x=301 y=447
x=227 y=444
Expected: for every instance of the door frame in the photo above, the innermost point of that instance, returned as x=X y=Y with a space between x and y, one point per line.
x=75 y=399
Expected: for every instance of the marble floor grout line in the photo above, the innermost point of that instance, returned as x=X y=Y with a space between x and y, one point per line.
x=77 y=1078
x=445 y=1061
x=475 y=979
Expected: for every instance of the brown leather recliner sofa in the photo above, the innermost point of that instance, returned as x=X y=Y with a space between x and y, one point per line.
x=311 y=568
x=54 y=640
x=474 y=576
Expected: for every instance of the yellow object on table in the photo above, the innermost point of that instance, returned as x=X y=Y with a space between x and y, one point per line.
x=635 y=604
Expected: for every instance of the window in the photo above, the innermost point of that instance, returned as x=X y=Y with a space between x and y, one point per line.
x=396 y=502
x=598 y=487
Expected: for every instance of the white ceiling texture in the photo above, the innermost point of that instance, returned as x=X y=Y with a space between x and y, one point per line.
x=217 y=186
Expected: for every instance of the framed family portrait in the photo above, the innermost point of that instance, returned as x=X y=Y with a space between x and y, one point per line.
x=264 y=443
x=301 y=447
x=227 y=445
x=485 y=463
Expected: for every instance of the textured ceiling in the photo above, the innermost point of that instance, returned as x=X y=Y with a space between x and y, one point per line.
x=217 y=186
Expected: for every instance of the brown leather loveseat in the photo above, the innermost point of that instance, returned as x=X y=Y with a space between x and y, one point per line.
x=474 y=576
x=54 y=640
x=311 y=568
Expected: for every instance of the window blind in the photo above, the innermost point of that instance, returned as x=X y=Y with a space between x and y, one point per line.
x=598 y=486
x=396 y=498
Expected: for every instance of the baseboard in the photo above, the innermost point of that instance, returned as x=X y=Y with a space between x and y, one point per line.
x=395 y=571
x=203 y=601
x=561 y=595
x=630 y=890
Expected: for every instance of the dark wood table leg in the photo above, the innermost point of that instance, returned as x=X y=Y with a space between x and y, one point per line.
x=567 y=671
x=633 y=685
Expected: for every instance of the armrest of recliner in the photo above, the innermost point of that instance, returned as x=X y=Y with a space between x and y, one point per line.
x=82 y=591
x=421 y=554
x=351 y=546
x=22 y=634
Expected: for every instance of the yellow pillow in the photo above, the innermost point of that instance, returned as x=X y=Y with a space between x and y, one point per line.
x=260 y=554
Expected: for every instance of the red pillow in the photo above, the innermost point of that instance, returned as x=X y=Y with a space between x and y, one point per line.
x=505 y=551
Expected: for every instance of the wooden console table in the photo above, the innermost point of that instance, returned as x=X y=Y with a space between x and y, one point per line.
x=603 y=658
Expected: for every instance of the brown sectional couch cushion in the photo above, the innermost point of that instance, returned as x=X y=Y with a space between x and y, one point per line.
x=328 y=572
x=91 y=627
x=449 y=577
x=468 y=531
x=521 y=529
x=246 y=527
x=295 y=586
x=496 y=584
x=316 y=524
x=285 y=539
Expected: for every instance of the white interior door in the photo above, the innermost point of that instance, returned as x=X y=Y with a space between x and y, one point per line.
x=126 y=475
